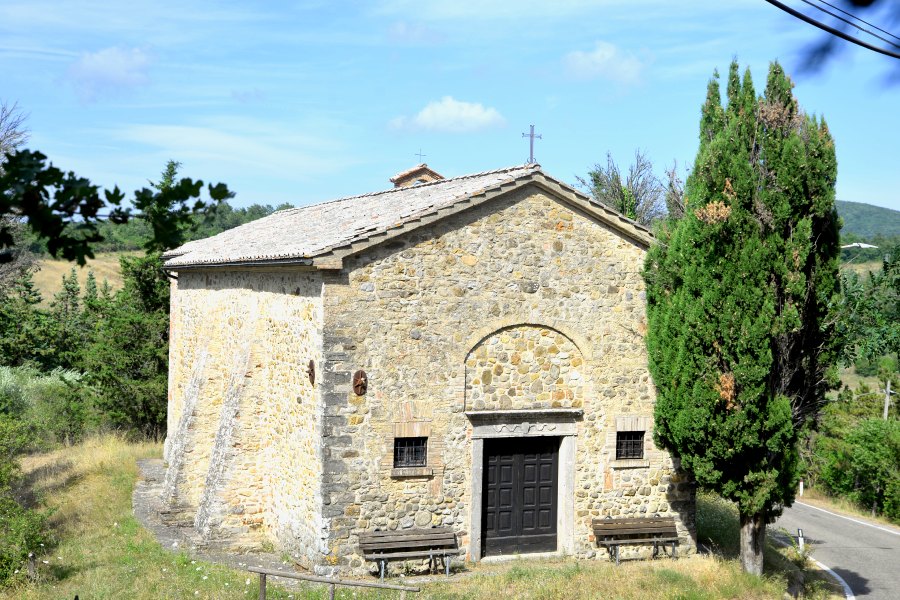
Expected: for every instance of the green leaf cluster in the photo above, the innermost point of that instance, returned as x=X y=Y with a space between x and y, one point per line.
x=65 y=211
x=865 y=466
x=740 y=293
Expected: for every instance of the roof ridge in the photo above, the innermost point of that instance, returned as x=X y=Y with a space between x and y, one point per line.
x=532 y=167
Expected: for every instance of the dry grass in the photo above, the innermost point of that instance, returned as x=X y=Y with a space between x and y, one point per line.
x=690 y=578
x=105 y=266
x=862 y=268
x=103 y=552
x=849 y=378
x=718 y=527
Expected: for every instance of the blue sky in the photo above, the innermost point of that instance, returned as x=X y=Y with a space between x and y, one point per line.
x=307 y=101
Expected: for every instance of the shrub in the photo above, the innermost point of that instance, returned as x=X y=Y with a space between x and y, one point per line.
x=21 y=531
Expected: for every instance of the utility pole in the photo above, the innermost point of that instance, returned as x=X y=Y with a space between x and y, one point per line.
x=887 y=399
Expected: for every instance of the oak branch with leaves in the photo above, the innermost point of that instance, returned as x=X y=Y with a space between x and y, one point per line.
x=66 y=210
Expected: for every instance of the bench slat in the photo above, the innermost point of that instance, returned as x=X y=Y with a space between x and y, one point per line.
x=395 y=545
x=442 y=539
x=416 y=554
x=637 y=541
x=649 y=521
x=434 y=530
x=412 y=543
x=634 y=531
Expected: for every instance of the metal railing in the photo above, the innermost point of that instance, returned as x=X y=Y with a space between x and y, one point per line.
x=330 y=582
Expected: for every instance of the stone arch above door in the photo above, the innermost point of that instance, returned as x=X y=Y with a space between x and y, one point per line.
x=525 y=366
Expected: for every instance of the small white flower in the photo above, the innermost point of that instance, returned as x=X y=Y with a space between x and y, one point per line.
x=164 y=569
x=205 y=577
x=46 y=562
x=247 y=582
x=196 y=593
x=193 y=562
x=226 y=584
x=16 y=571
x=174 y=544
x=197 y=569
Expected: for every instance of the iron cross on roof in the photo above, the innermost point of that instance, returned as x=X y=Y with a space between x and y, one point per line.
x=420 y=155
x=531 y=144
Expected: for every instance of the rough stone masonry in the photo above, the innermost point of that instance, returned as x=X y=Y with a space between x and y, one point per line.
x=498 y=305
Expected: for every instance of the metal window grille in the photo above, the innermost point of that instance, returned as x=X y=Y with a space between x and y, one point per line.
x=629 y=444
x=410 y=452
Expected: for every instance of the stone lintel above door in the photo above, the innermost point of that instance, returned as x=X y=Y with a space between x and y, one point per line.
x=526 y=422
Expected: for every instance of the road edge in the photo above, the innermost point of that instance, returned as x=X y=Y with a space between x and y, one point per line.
x=848 y=593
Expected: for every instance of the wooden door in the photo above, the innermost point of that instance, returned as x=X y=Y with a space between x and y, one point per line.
x=520 y=495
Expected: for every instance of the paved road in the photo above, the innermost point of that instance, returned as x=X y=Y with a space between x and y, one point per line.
x=866 y=556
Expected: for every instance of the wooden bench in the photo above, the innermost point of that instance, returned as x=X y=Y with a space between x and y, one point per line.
x=611 y=533
x=434 y=543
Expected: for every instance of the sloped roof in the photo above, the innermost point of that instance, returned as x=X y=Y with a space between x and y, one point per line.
x=320 y=234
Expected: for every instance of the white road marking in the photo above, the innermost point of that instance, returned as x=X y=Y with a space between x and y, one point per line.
x=848 y=593
x=894 y=531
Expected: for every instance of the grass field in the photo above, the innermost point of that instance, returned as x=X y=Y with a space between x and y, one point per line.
x=105 y=267
x=102 y=552
x=861 y=268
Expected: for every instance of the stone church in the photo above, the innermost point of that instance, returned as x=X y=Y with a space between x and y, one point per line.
x=464 y=352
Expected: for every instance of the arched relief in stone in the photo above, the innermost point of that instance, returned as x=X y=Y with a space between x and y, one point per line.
x=525 y=367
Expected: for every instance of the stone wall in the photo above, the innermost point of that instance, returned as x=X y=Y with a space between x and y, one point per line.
x=524 y=367
x=548 y=301
x=244 y=420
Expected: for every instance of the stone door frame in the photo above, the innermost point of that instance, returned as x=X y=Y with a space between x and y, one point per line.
x=561 y=423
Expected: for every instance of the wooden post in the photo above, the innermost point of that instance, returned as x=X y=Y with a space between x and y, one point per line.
x=262 y=586
x=887 y=399
x=331 y=591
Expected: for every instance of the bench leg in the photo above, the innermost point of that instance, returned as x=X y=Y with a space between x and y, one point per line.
x=674 y=552
x=447 y=565
x=383 y=565
x=617 y=554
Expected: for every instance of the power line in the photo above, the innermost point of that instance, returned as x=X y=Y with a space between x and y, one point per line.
x=852 y=16
x=832 y=30
x=851 y=23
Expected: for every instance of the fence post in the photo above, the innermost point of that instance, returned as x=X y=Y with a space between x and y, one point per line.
x=32 y=567
x=262 y=586
x=331 y=591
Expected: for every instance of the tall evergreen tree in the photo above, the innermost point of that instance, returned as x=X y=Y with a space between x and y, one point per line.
x=127 y=363
x=740 y=341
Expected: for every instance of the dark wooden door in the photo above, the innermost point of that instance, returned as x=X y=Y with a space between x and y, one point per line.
x=519 y=496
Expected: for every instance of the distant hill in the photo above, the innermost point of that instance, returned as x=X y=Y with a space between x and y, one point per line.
x=866 y=221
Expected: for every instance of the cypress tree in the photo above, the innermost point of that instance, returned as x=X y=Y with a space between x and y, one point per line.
x=738 y=292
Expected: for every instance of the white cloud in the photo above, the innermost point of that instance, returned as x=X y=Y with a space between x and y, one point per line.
x=605 y=61
x=109 y=71
x=452 y=116
x=403 y=32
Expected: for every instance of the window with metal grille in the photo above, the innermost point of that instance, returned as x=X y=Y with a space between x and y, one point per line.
x=410 y=452
x=629 y=444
